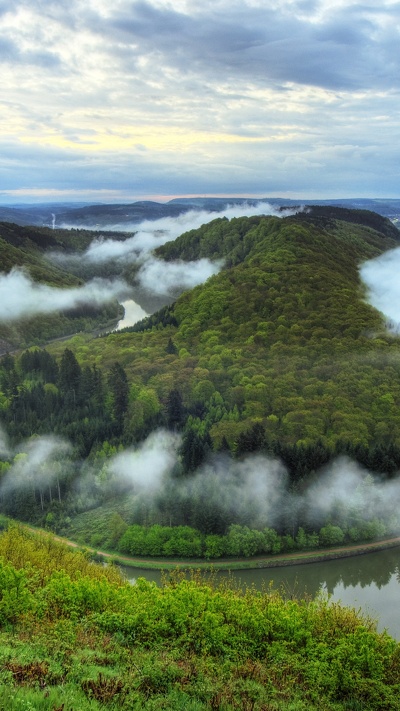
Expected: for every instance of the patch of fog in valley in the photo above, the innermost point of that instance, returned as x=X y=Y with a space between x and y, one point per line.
x=157 y=283
x=381 y=277
x=255 y=488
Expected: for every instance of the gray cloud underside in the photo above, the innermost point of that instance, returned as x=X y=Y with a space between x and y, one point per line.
x=163 y=98
x=351 y=46
x=259 y=43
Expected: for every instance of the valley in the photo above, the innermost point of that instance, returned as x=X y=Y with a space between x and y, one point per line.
x=252 y=414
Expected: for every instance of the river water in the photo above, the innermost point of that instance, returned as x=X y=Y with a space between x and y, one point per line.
x=368 y=582
x=133 y=314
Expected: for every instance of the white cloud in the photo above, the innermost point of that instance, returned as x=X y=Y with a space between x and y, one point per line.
x=381 y=276
x=157 y=276
x=161 y=278
x=146 y=466
x=20 y=297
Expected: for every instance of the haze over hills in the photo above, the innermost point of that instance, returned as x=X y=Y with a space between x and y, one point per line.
x=277 y=354
x=99 y=216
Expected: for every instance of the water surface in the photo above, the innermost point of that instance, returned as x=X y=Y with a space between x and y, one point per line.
x=368 y=582
x=133 y=314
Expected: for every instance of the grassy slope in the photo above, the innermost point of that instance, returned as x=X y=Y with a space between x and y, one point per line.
x=75 y=636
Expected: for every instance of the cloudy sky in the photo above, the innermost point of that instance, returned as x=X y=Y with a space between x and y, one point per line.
x=124 y=100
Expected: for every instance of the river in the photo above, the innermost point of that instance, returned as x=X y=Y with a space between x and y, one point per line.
x=133 y=314
x=370 y=582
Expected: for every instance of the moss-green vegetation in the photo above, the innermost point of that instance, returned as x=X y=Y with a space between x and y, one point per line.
x=278 y=354
x=283 y=337
x=106 y=528
x=75 y=636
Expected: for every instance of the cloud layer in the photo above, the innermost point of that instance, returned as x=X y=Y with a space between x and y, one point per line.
x=381 y=276
x=254 y=490
x=149 y=97
x=155 y=275
x=20 y=297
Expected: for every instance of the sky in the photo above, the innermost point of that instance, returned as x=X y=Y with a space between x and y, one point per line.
x=119 y=101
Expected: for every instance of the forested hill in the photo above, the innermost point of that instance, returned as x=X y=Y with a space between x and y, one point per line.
x=278 y=353
x=26 y=249
x=282 y=337
x=234 y=240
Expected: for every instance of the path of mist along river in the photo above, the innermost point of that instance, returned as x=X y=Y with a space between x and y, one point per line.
x=370 y=582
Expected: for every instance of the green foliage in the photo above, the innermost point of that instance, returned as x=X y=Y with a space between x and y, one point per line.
x=239 y=541
x=282 y=334
x=83 y=640
x=279 y=353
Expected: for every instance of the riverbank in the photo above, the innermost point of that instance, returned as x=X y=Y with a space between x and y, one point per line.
x=257 y=562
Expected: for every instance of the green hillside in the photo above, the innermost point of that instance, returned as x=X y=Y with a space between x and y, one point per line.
x=282 y=336
x=279 y=354
x=26 y=248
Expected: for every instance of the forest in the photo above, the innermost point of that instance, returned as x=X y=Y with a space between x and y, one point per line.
x=276 y=364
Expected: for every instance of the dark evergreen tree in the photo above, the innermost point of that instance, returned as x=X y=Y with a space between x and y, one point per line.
x=194 y=449
x=252 y=440
x=118 y=383
x=171 y=347
x=70 y=377
x=175 y=411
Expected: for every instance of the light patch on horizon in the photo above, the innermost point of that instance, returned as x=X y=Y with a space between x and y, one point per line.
x=151 y=138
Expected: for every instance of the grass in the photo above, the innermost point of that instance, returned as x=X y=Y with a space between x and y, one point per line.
x=74 y=636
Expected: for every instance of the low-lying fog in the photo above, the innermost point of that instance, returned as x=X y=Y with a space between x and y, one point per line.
x=255 y=487
x=21 y=297
x=381 y=276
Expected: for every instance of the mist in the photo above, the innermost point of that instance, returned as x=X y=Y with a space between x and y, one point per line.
x=38 y=463
x=21 y=297
x=144 y=468
x=254 y=491
x=348 y=491
x=381 y=277
x=150 y=234
x=161 y=277
x=154 y=275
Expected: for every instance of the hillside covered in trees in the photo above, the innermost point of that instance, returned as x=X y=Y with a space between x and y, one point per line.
x=26 y=250
x=278 y=355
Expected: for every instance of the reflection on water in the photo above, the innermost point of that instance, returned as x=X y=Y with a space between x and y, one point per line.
x=370 y=582
x=133 y=314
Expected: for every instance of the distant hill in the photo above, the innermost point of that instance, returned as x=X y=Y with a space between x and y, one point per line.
x=99 y=216
x=282 y=336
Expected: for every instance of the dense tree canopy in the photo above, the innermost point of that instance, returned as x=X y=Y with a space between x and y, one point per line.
x=279 y=353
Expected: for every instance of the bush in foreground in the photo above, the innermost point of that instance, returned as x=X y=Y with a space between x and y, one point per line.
x=75 y=635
